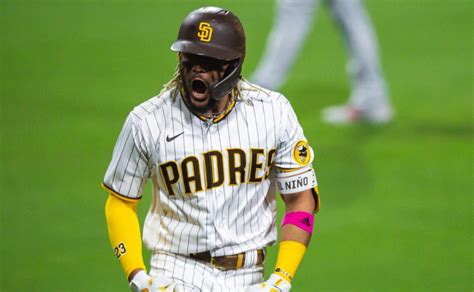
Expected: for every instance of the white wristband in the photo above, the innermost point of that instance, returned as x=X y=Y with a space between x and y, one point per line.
x=139 y=281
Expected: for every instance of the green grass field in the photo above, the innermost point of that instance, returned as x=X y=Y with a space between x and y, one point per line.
x=396 y=200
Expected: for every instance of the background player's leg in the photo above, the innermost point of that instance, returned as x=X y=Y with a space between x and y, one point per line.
x=369 y=91
x=292 y=22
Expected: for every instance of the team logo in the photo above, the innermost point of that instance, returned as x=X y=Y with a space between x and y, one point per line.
x=305 y=221
x=169 y=139
x=302 y=153
x=205 y=32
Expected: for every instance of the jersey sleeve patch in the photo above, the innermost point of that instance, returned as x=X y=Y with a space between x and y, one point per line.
x=302 y=153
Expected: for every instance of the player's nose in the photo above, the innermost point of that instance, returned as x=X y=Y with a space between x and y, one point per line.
x=198 y=69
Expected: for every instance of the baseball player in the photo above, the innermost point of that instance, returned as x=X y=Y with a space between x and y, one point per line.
x=369 y=99
x=216 y=149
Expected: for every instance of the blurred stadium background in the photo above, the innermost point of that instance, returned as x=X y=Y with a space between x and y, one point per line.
x=396 y=200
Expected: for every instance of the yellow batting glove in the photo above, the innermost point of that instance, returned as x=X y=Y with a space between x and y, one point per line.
x=275 y=283
x=142 y=282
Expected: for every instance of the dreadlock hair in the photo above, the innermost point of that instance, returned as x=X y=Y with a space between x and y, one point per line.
x=176 y=83
x=176 y=86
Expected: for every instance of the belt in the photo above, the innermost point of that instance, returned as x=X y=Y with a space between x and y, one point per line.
x=228 y=262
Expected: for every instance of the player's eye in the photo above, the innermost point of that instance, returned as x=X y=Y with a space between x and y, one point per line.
x=187 y=65
x=208 y=64
x=218 y=65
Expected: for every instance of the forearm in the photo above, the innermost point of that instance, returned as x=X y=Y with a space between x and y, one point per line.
x=300 y=202
x=293 y=233
x=295 y=239
x=124 y=234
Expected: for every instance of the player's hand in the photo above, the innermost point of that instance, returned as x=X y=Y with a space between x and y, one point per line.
x=274 y=284
x=142 y=282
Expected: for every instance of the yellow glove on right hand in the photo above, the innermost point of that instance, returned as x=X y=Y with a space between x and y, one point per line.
x=142 y=282
x=274 y=284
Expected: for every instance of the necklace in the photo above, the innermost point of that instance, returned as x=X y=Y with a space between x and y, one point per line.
x=211 y=116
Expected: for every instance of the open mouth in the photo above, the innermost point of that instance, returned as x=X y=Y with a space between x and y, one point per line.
x=199 y=88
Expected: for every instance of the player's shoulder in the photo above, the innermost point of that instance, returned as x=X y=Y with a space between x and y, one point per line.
x=254 y=92
x=152 y=106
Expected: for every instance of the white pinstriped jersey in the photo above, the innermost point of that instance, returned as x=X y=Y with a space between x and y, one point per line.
x=212 y=185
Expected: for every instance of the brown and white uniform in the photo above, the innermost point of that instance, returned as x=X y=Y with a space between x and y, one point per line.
x=212 y=182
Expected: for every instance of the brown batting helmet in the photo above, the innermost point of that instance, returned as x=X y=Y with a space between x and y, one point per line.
x=216 y=33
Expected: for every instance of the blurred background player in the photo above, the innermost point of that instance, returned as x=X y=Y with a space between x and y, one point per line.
x=368 y=100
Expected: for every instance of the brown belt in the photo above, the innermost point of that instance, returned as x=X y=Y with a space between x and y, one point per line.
x=228 y=262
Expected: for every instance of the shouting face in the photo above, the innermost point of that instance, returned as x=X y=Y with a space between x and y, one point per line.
x=199 y=73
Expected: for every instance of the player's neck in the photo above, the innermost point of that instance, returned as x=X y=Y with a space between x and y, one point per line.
x=218 y=107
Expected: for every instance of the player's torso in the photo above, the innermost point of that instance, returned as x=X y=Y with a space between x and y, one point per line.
x=211 y=178
x=195 y=156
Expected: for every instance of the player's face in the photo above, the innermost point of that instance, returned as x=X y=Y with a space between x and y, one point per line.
x=199 y=73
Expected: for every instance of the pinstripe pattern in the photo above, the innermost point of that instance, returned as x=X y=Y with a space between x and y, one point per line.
x=196 y=276
x=227 y=219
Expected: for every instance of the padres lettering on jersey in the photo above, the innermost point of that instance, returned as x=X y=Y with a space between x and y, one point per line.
x=212 y=186
x=235 y=167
